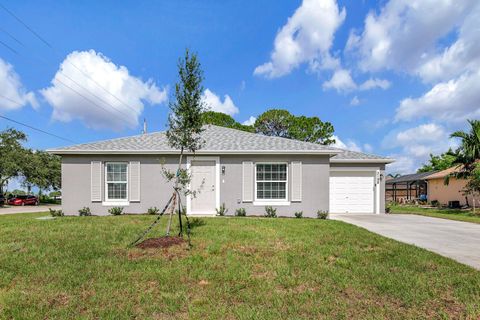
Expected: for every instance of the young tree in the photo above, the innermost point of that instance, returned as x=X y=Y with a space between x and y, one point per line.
x=12 y=155
x=185 y=122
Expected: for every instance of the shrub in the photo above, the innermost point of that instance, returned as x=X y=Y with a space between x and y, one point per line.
x=299 y=214
x=240 y=212
x=85 y=211
x=388 y=209
x=222 y=210
x=153 y=210
x=270 y=212
x=322 y=214
x=116 y=211
x=56 y=213
x=435 y=203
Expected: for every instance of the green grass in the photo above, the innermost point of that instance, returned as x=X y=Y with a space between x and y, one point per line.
x=452 y=214
x=239 y=268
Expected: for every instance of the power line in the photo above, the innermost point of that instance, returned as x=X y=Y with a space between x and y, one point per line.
x=29 y=126
x=26 y=26
x=69 y=62
x=78 y=84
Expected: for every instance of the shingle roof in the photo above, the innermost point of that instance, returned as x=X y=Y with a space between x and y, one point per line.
x=217 y=140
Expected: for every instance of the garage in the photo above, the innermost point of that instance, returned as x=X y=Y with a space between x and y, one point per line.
x=352 y=191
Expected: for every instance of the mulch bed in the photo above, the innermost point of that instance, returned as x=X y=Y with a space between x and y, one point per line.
x=162 y=242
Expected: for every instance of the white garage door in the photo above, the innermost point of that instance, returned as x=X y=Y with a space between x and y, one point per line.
x=352 y=192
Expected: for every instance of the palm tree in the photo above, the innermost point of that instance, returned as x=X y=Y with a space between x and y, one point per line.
x=467 y=157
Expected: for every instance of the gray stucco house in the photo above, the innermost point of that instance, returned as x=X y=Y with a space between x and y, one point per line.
x=240 y=169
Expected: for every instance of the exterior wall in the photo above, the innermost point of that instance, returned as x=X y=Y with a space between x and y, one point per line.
x=363 y=166
x=155 y=191
x=76 y=182
x=437 y=190
x=315 y=184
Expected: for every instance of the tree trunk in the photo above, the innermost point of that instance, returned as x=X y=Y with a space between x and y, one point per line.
x=175 y=192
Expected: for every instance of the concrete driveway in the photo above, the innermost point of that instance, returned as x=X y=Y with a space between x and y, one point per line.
x=454 y=239
x=28 y=209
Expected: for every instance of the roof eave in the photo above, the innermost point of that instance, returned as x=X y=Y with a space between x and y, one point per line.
x=386 y=161
x=206 y=152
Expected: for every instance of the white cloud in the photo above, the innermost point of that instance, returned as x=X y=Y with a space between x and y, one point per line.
x=348 y=144
x=416 y=145
x=452 y=101
x=214 y=103
x=402 y=164
x=375 y=83
x=340 y=81
x=405 y=34
x=306 y=38
x=367 y=148
x=12 y=93
x=355 y=101
x=461 y=56
x=250 y=121
x=120 y=95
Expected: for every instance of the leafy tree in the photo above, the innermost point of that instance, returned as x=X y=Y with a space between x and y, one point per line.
x=12 y=155
x=274 y=122
x=42 y=170
x=281 y=123
x=185 y=122
x=311 y=129
x=467 y=157
x=437 y=163
x=224 y=120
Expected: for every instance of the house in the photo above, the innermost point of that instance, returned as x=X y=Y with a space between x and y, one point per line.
x=445 y=194
x=240 y=169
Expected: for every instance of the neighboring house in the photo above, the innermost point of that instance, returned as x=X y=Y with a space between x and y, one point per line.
x=446 y=193
x=407 y=188
x=240 y=169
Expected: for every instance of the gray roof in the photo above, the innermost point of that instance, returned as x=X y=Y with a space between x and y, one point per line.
x=410 y=177
x=218 y=140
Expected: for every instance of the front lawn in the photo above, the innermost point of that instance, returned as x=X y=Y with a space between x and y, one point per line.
x=452 y=214
x=246 y=268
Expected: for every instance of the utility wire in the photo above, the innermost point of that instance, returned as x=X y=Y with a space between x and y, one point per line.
x=69 y=62
x=75 y=91
x=26 y=26
x=29 y=126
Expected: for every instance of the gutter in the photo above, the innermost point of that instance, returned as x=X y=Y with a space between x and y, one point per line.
x=203 y=152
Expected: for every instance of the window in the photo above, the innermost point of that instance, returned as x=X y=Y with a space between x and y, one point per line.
x=271 y=181
x=116 y=181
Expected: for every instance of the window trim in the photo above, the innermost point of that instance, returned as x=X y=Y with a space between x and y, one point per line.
x=115 y=201
x=280 y=202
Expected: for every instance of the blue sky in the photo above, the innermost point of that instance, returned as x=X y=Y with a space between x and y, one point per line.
x=394 y=77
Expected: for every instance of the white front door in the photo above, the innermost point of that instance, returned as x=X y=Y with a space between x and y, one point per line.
x=352 y=192
x=203 y=183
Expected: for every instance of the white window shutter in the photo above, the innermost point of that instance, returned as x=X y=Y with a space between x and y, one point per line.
x=96 y=181
x=247 y=181
x=296 y=183
x=134 y=180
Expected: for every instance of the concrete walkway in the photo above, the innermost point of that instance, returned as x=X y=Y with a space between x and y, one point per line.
x=454 y=239
x=28 y=209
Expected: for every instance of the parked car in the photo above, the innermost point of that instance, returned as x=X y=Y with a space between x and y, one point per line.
x=23 y=200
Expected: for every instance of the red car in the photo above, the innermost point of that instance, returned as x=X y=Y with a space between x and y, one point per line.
x=23 y=200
